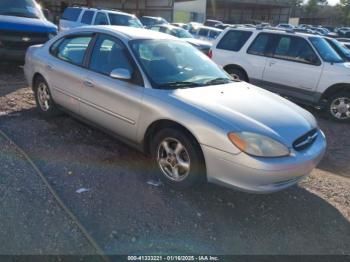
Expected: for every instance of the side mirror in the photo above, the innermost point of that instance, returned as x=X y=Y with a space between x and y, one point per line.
x=121 y=73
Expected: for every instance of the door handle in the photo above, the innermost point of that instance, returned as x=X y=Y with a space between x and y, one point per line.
x=88 y=83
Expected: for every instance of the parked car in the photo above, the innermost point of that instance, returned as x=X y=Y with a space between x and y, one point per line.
x=203 y=46
x=285 y=26
x=345 y=42
x=163 y=96
x=206 y=33
x=182 y=25
x=300 y=66
x=22 y=24
x=340 y=48
x=82 y=16
x=149 y=21
x=212 y=23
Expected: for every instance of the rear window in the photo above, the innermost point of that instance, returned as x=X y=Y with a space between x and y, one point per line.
x=234 y=40
x=71 y=14
x=87 y=17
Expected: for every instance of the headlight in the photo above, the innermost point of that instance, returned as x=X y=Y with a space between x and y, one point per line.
x=258 y=145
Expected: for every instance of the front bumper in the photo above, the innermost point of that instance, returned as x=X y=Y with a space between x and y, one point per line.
x=262 y=175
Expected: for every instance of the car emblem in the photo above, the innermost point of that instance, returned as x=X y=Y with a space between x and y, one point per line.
x=26 y=39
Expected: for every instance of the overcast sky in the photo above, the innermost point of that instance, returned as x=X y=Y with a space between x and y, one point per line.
x=333 y=2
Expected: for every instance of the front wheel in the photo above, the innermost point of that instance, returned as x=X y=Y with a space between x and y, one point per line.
x=338 y=107
x=179 y=159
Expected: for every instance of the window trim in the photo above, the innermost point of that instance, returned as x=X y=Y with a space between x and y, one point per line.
x=274 y=46
x=222 y=38
x=85 y=34
x=137 y=77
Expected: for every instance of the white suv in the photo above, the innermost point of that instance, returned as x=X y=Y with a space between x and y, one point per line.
x=81 y=16
x=300 y=66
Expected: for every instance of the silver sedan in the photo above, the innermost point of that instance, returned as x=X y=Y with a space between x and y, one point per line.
x=166 y=98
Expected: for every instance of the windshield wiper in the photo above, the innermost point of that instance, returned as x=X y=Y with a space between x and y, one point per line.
x=218 y=81
x=180 y=84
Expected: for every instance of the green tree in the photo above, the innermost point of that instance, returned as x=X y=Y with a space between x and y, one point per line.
x=344 y=6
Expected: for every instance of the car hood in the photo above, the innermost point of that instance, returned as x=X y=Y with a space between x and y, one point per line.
x=24 y=24
x=244 y=107
x=198 y=42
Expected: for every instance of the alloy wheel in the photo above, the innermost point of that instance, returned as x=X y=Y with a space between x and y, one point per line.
x=43 y=96
x=340 y=108
x=173 y=159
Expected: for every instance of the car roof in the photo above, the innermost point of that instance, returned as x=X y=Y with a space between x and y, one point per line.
x=210 y=28
x=129 y=33
x=100 y=9
x=272 y=31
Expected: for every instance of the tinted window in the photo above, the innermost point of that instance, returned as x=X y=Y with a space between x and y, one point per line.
x=101 y=19
x=20 y=8
x=214 y=34
x=71 y=14
x=203 y=32
x=87 y=17
x=296 y=49
x=124 y=20
x=327 y=53
x=73 y=49
x=234 y=40
x=108 y=55
x=259 y=46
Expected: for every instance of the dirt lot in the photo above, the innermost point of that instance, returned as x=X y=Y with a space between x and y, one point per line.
x=125 y=214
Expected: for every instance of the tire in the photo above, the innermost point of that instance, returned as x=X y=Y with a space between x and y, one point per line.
x=338 y=107
x=188 y=161
x=43 y=98
x=237 y=74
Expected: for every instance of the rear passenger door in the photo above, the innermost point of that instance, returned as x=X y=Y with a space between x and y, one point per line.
x=294 y=68
x=65 y=69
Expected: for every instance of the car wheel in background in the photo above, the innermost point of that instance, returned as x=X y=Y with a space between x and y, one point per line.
x=237 y=74
x=43 y=98
x=338 y=106
x=179 y=159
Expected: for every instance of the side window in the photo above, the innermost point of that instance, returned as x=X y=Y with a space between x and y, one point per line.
x=101 y=19
x=71 y=14
x=214 y=34
x=108 y=54
x=234 y=40
x=203 y=32
x=162 y=29
x=87 y=17
x=259 y=46
x=295 y=49
x=73 y=49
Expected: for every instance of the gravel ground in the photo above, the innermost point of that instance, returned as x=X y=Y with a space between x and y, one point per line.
x=126 y=215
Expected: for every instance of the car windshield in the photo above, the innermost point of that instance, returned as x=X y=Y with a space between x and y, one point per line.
x=124 y=20
x=20 y=8
x=176 y=64
x=325 y=50
x=181 y=33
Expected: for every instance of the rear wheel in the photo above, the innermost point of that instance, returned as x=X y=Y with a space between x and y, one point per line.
x=338 y=106
x=43 y=98
x=179 y=159
x=237 y=74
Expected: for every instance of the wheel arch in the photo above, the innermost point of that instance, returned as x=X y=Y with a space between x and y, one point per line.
x=235 y=66
x=36 y=76
x=157 y=125
x=330 y=91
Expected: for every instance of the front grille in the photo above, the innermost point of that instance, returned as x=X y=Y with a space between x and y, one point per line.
x=21 y=40
x=305 y=140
